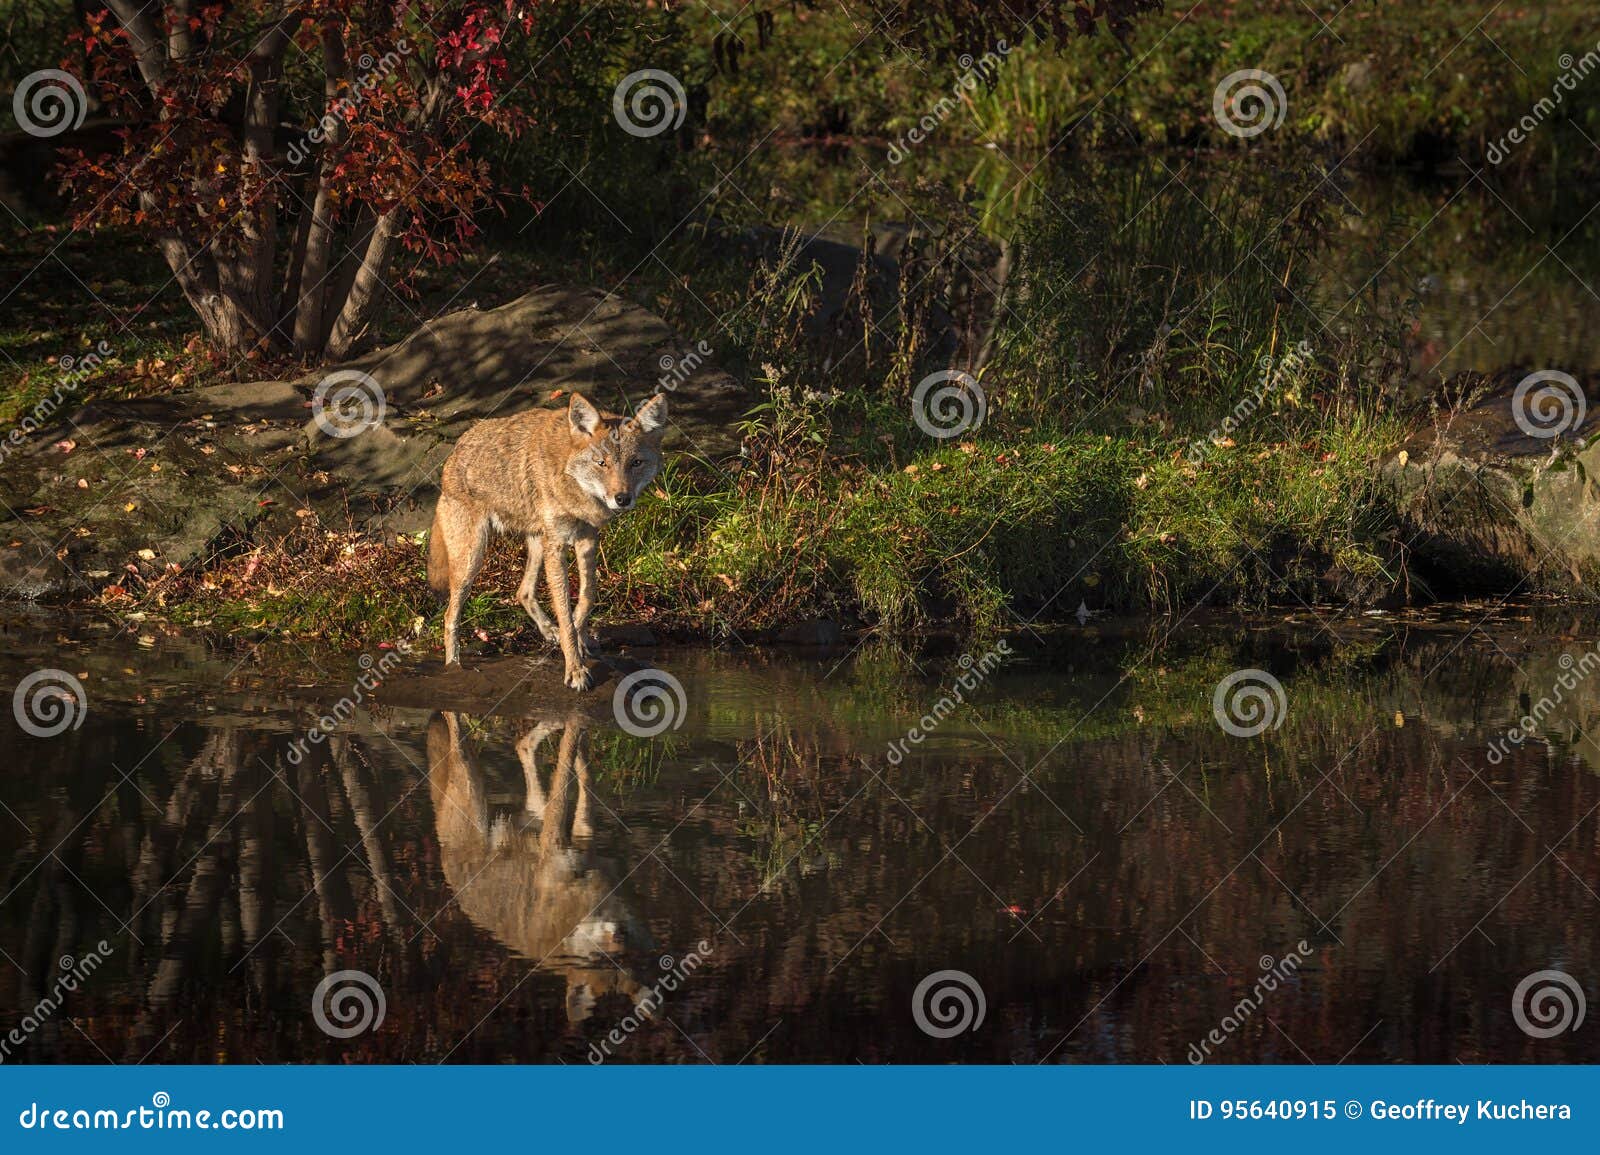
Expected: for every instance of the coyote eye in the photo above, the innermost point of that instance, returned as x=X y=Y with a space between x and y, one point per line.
x=636 y=463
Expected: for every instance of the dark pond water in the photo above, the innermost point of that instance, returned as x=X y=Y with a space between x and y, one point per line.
x=1115 y=874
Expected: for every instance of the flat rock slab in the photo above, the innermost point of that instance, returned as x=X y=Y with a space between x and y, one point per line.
x=1491 y=506
x=169 y=481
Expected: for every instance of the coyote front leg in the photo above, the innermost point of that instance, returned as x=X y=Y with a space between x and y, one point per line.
x=578 y=675
x=585 y=549
x=527 y=751
x=528 y=592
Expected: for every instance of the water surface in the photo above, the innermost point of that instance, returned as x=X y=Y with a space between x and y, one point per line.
x=1080 y=836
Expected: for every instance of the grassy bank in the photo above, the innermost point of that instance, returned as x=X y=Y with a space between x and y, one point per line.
x=980 y=535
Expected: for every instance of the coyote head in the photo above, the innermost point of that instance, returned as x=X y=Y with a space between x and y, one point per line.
x=613 y=458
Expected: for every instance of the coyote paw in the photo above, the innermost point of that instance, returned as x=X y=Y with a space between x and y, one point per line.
x=580 y=678
x=548 y=631
x=588 y=645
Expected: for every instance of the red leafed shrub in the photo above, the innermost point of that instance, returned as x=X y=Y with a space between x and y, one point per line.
x=281 y=154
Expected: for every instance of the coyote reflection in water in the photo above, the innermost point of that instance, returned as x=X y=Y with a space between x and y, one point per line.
x=532 y=879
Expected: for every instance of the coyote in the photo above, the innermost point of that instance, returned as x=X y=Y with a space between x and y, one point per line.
x=555 y=477
x=536 y=880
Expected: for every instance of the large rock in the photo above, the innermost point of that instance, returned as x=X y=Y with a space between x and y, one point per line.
x=170 y=480
x=1492 y=506
x=961 y=300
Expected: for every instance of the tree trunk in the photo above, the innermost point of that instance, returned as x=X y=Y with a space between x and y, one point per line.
x=363 y=296
x=312 y=295
x=247 y=282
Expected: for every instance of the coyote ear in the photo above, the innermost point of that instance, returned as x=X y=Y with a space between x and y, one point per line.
x=584 y=417
x=652 y=414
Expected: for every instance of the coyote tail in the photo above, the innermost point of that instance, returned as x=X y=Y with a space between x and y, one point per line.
x=438 y=557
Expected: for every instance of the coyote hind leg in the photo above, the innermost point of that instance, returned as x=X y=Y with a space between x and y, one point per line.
x=466 y=537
